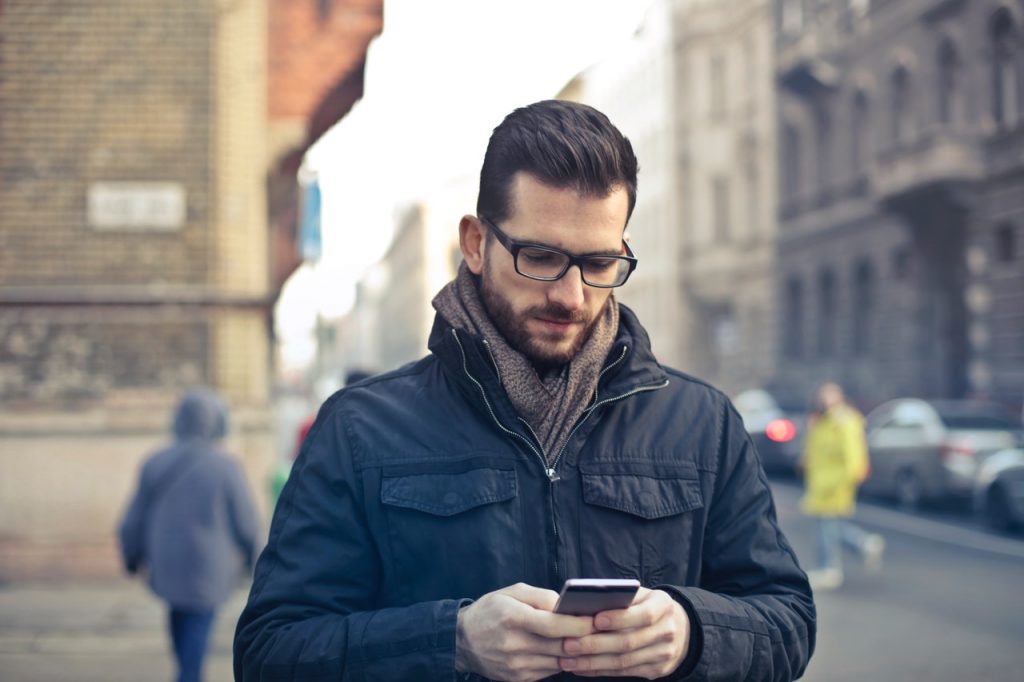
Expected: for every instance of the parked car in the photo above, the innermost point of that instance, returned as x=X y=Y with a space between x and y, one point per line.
x=999 y=489
x=777 y=432
x=931 y=450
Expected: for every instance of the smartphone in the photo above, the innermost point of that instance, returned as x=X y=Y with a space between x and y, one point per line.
x=587 y=596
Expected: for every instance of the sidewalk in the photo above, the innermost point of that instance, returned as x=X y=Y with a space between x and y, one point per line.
x=94 y=633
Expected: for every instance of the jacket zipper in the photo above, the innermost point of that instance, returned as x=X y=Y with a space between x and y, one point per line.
x=552 y=476
x=606 y=401
x=483 y=394
x=551 y=471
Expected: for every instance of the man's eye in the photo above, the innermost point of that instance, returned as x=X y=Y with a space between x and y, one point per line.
x=601 y=264
x=537 y=257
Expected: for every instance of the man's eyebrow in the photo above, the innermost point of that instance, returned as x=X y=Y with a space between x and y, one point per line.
x=603 y=252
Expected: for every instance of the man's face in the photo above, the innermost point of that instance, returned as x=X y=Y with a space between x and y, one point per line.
x=549 y=322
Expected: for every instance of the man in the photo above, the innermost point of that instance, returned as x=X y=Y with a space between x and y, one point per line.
x=192 y=526
x=835 y=463
x=435 y=510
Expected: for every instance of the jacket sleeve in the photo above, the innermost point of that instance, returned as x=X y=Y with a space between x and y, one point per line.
x=131 y=532
x=245 y=520
x=753 y=614
x=311 y=614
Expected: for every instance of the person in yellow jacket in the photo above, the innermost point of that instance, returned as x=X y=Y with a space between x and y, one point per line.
x=835 y=462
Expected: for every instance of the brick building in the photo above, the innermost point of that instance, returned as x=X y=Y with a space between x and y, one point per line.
x=902 y=197
x=135 y=247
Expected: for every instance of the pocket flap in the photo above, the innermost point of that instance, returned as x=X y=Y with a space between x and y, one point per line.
x=646 y=496
x=449 y=493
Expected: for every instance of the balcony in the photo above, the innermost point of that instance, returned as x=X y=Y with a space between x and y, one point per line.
x=939 y=165
x=808 y=77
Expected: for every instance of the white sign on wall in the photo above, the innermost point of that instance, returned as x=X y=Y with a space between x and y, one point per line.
x=136 y=205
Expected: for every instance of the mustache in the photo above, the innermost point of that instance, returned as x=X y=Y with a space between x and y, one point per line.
x=559 y=314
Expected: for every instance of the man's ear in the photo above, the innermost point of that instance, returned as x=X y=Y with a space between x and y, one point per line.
x=472 y=238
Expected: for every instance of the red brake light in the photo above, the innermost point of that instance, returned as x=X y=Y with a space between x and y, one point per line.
x=780 y=430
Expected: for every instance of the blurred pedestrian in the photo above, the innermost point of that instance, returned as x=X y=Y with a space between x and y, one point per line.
x=191 y=526
x=835 y=462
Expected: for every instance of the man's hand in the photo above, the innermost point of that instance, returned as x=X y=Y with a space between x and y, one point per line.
x=649 y=639
x=511 y=634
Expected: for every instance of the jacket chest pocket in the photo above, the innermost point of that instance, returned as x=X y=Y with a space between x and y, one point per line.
x=453 y=535
x=639 y=524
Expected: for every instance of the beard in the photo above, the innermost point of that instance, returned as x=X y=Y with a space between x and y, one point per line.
x=544 y=353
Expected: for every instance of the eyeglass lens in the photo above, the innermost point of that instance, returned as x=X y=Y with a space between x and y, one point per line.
x=597 y=270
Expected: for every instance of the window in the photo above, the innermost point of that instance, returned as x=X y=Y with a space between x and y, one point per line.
x=823 y=146
x=791 y=179
x=720 y=202
x=1005 y=244
x=902 y=114
x=792 y=342
x=949 y=67
x=863 y=307
x=901 y=263
x=717 y=85
x=827 y=313
x=753 y=181
x=792 y=19
x=861 y=137
x=1005 y=90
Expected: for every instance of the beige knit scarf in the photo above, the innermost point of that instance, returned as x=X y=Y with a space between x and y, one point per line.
x=551 y=404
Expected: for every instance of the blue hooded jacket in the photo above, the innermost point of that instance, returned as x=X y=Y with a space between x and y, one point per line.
x=192 y=522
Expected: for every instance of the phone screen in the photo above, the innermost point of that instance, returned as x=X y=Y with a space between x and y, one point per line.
x=587 y=596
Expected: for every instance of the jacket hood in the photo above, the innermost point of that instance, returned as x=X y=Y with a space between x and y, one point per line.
x=202 y=415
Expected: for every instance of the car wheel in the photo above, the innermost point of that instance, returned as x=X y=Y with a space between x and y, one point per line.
x=909 y=491
x=997 y=508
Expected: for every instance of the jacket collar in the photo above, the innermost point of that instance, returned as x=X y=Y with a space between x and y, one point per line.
x=631 y=363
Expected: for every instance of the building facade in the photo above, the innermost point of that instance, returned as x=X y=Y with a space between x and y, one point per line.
x=391 y=320
x=724 y=110
x=901 y=133
x=634 y=86
x=693 y=92
x=135 y=256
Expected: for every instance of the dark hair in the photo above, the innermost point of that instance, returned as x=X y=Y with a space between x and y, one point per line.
x=561 y=144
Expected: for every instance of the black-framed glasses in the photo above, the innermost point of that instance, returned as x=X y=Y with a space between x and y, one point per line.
x=547 y=264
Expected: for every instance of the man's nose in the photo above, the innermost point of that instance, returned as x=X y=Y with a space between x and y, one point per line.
x=568 y=291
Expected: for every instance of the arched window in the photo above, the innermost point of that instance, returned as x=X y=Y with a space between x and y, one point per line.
x=863 y=307
x=902 y=112
x=948 y=84
x=1005 y=75
x=860 y=130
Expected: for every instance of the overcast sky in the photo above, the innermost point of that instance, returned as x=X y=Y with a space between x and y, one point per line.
x=440 y=77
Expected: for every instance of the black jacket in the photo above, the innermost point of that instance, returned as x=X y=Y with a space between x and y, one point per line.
x=421 y=489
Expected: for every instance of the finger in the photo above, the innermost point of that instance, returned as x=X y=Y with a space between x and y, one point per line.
x=647 y=608
x=557 y=626
x=630 y=664
x=536 y=597
x=614 y=642
x=538 y=645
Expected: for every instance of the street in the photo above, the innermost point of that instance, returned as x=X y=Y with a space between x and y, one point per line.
x=947 y=605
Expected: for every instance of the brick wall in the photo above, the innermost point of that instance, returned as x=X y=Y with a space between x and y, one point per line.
x=111 y=90
x=311 y=51
x=102 y=328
